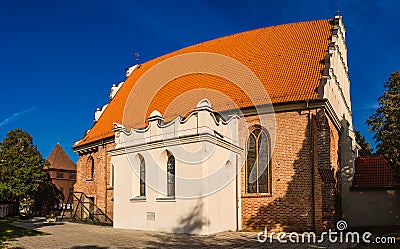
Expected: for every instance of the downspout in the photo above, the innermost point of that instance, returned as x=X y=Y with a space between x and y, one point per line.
x=105 y=175
x=312 y=168
x=237 y=195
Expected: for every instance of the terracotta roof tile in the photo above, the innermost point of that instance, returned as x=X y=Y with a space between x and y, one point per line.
x=373 y=172
x=286 y=58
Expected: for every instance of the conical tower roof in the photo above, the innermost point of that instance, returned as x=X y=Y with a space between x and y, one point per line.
x=59 y=159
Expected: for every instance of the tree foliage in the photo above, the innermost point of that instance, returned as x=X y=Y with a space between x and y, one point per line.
x=22 y=175
x=366 y=149
x=385 y=122
x=47 y=196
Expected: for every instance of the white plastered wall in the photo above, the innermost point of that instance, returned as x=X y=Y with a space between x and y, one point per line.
x=203 y=149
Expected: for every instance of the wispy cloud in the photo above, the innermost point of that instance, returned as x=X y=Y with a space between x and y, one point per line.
x=16 y=115
x=366 y=107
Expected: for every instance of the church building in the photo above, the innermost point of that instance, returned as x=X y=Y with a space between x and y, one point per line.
x=246 y=131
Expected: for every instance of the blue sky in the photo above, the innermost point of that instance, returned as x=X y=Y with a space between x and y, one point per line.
x=58 y=59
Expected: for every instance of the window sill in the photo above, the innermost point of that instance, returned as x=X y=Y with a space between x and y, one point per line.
x=138 y=199
x=256 y=195
x=89 y=179
x=166 y=199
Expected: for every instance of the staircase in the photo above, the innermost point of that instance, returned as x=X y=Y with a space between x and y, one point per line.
x=84 y=211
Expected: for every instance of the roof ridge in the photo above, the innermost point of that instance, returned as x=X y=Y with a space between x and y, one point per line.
x=237 y=34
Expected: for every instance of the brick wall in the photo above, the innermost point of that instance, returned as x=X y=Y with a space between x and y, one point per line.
x=100 y=186
x=295 y=168
x=326 y=164
x=65 y=184
x=288 y=207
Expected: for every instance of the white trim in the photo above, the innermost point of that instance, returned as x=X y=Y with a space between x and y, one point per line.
x=202 y=137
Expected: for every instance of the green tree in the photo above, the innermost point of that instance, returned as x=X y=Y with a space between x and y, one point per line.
x=385 y=123
x=47 y=195
x=366 y=149
x=21 y=168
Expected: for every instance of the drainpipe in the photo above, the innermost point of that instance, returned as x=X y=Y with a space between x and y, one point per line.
x=312 y=167
x=237 y=195
x=105 y=174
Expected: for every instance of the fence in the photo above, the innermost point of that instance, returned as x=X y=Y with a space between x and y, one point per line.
x=6 y=209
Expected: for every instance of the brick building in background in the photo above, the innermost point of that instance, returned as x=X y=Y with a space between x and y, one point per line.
x=62 y=172
x=308 y=168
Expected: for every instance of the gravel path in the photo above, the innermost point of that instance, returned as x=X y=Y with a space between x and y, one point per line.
x=73 y=235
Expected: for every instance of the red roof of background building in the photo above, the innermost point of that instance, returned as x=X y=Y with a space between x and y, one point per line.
x=373 y=172
x=287 y=59
x=59 y=159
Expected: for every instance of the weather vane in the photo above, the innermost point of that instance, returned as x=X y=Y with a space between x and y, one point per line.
x=137 y=57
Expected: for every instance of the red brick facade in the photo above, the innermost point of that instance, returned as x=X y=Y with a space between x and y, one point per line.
x=64 y=181
x=100 y=186
x=297 y=178
x=62 y=171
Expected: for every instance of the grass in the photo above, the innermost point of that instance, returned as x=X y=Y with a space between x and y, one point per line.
x=8 y=231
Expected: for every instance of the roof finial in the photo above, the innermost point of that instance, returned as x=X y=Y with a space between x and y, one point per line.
x=137 y=58
x=337 y=8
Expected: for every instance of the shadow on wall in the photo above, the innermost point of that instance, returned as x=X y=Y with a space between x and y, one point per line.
x=347 y=174
x=292 y=180
x=193 y=221
x=347 y=171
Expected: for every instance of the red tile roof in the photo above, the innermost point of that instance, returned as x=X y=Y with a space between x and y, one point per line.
x=287 y=59
x=373 y=172
x=58 y=159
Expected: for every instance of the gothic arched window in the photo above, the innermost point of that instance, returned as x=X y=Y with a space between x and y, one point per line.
x=142 y=176
x=171 y=175
x=90 y=168
x=258 y=171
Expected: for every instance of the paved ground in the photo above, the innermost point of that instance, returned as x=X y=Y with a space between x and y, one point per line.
x=77 y=236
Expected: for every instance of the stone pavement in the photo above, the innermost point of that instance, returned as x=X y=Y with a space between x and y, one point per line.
x=77 y=236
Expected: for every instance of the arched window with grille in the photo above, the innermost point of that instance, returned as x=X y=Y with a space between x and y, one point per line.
x=142 y=176
x=90 y=168
x=258 y=170
x=171 y=175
